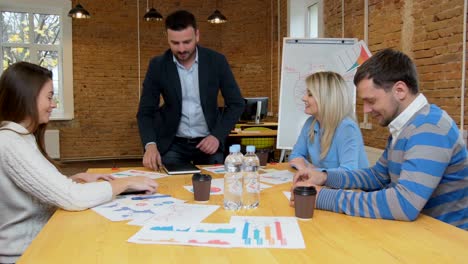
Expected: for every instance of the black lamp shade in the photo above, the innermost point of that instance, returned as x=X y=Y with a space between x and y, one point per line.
x=217 y=18
x=153 y=15
x=79 y=12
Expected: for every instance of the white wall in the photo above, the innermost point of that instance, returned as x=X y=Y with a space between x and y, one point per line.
x=297 y=17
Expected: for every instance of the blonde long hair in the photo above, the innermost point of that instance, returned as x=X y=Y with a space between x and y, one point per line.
x=334 y=103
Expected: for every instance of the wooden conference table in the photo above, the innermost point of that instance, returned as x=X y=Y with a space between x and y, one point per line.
x=86 y=237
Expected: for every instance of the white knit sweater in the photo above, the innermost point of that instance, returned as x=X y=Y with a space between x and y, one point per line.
x=31 y=188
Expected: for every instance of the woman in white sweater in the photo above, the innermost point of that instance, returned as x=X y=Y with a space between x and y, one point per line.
x=31 y=187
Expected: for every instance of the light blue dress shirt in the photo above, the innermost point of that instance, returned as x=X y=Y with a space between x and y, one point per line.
x=346 y=150
x=192 y=122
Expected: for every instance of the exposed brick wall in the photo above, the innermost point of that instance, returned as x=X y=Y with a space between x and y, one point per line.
x=430 y=32
x=105 y=66
x=106 y=83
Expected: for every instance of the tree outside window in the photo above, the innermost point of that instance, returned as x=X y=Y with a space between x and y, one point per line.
x=35 y=38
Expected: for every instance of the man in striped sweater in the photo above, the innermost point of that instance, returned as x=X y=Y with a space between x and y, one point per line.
x=424 y=167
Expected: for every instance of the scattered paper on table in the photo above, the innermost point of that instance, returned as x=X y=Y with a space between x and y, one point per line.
x=265 y=170
x=129 y=207
x=215 y=169
x=178 y=214
x=270 y=232
x=264 y=186
x=129 y=173
x=217 y=187
x=277 y=177
x=208 y=235
x=246 y=232
x=288 y=195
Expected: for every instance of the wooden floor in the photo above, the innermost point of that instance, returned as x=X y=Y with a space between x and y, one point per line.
x=71 y=168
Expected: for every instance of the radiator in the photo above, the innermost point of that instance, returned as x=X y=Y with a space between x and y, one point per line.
x=52 y=143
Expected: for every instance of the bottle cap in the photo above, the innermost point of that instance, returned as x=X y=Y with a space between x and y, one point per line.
x=250 y=148
x=232 y=149
x=237 y=147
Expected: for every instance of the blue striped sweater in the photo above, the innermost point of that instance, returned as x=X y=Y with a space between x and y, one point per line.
x=426 y=170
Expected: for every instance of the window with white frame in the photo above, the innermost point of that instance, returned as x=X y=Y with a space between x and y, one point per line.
x=39 y=31
x=313 y=20
x=305 y=18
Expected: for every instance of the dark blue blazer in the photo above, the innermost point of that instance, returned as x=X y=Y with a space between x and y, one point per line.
x=160 y=123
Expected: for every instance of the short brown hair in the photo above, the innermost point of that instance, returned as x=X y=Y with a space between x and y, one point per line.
x=386 y=68
x=180 y=20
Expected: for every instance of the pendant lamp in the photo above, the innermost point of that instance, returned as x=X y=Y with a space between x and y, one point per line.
x=152 y=14
x=217 y=18
x=79 y=12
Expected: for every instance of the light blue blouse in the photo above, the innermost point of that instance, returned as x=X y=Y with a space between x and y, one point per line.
x=346 y=150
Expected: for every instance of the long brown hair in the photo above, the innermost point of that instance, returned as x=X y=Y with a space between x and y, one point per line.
x=20 y=85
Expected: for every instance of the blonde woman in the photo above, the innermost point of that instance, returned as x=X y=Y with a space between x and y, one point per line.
x=330 y=138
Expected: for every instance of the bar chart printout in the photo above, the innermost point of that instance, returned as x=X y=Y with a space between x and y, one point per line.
x=246 y=232
x=270 y=232
x=207 y=235
x=259 y=235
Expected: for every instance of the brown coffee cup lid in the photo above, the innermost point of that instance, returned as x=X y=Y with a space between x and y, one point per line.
x=305 y=190
x=201 y=177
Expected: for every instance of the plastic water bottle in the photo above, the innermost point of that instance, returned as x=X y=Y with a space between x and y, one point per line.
x=251 y=179
x=233 y=181
x=238 y=151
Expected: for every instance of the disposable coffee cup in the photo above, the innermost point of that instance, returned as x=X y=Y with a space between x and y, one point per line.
x=304 y=202
x=201 y=187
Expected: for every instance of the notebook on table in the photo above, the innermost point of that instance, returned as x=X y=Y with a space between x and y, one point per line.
x=186 y=168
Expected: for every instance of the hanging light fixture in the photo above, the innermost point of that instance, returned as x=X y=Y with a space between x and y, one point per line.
x=152 y=14
x=79 y=12
x=217 y=18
